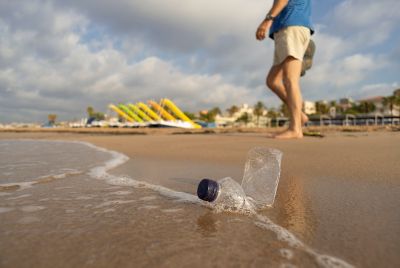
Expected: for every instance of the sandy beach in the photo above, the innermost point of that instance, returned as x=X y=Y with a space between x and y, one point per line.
x=338 y=196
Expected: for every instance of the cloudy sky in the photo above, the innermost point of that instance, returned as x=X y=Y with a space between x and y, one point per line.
x=60 y=56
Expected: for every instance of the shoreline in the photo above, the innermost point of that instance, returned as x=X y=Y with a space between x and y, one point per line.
x=176 y=131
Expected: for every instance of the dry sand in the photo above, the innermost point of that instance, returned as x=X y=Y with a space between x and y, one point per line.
x=338 y=194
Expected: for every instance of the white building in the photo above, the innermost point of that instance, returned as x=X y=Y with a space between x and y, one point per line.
x=309 y=107
x=226 y=120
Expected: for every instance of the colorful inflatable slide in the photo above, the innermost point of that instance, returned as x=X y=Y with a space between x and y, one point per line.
x=163 y=114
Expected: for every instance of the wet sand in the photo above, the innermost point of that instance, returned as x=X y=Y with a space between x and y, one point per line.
x=339 y=195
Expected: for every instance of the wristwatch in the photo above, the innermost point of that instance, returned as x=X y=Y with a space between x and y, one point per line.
x=269 y=17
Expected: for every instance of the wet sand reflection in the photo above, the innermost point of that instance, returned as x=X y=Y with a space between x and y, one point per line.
x=292 y=208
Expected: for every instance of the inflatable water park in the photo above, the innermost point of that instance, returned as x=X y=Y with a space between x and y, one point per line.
x=153 y=114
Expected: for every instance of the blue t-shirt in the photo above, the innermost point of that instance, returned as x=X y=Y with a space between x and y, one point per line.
x=295 y=13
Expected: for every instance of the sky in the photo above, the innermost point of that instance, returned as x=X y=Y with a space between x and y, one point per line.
x=60 y=56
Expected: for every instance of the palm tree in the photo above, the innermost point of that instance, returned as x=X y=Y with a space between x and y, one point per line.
x=99 y=116
x=245 y=118
x=232 y=110
x=90 y=111
x=215 y=111
x=284 y=110
x=258 y=111
x=272 y=113
x=321 y=107
x=389 y=102
x=397 y=100
x=210 y=115
x=366 y=107
x=52 y=119
x=190 y=115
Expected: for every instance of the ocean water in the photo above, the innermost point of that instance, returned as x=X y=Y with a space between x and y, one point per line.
x=62 y=206
x=29 y=161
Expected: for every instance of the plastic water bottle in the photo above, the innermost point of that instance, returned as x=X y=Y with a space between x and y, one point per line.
x=259 y=184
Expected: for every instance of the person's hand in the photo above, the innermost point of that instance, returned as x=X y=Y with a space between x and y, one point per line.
x=263 y=29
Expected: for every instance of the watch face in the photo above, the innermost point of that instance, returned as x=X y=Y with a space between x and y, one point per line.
x=269 y=17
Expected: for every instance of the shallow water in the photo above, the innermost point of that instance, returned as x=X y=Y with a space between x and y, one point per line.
x=86 y=216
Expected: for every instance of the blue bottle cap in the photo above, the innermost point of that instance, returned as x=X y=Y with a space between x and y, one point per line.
x=208 y=190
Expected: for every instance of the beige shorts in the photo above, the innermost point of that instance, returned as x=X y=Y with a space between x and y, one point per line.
x=291 y=41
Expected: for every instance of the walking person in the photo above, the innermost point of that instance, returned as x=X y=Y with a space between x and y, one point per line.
x=288 y=23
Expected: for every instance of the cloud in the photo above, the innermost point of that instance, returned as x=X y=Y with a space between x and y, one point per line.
x=57 y=64
x=174 y=25
x=365 y=22
x=338 y=77
x=61 y=56
x=65 y=82
x=372 y=90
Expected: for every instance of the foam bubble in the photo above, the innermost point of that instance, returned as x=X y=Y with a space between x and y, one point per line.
x=332 y=262
x=109 y=210
x=287 y=265
x=114 y=202
x=172 y=210
x=121 y=193
x=4 y=210
x=28 y=220
x=19 y=197
x=31 y=208
x=286 y=253
x=43 y=179
x=282 y=234
x=84 y=197
x=148 y=198
x=148 y=207
x=17 y=186
x=64 y=187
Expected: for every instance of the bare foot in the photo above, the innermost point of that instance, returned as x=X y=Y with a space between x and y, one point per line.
x=271 y=135
x=304 y=120
x=290 y=134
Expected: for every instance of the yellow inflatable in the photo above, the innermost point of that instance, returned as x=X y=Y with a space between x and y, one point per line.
x=168 y=103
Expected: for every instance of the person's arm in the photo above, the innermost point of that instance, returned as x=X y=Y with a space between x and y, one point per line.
x=276 y=8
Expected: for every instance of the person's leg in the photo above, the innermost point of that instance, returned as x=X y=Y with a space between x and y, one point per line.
x=274 y=82
x=291 y=68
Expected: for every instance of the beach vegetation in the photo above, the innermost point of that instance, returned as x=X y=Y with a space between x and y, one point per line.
x=259 y=110
x=272 y=113
x=321 y=107
x=190 y=115
x=244 y=118
x=366 y=107
x=284 y=110
x=93 y=115
x=209 y=116
x=390 y=102
x=232 y=110
x=52 y=119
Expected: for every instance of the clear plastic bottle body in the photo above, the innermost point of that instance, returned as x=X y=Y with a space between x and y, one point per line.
x=261 y=175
